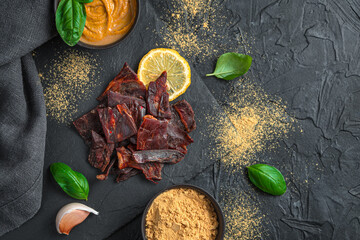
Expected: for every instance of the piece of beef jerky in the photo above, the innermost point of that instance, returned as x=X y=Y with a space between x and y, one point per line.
x=126 y=124
x=136 y=106
x=126 y=162
x=186 y=114
x=152 y=134
x=87 y=123
x=177 y=138
x=157 y=98
x=175 y=119
x=100 y=152
x=114 y=98
x=117 y=123
x=160 y=156
x=126 y=173
x=105 y=175
x=126 y=83
x=124 y=157
x=151 y=170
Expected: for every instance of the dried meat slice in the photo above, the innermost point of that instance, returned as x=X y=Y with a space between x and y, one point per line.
x=175 y=119
x=126 y=126
x=151 y=170
x=124 y=157
x=126 y=173
x=186 y=114
x=177 y=138
x=114 y=98
x=87 y=123
x=126 y=83
x=136 y=106
x=117 y=123
x=157 y=98
x=105 y=175
x=152 y=134
x=160 y=156
x=100 y=152
x=108 y=123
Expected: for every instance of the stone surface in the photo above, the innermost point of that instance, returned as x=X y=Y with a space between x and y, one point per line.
x=305 y=52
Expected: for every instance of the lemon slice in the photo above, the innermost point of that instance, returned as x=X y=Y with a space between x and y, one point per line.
x=163 y=59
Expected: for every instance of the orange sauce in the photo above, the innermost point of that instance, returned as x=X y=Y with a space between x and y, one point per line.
x=107 y=21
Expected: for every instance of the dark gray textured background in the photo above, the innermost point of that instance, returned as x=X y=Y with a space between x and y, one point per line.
x=307 y=53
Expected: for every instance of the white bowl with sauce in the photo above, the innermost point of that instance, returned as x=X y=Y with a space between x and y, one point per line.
x=109 y=40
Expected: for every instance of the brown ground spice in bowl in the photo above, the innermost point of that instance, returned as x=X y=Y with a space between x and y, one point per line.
x=181 y=213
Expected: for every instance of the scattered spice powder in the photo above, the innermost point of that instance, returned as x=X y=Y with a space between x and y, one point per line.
x=257 y=122
x=181 y=213
x=69 y=78
x=243 y=219
x=195 y=26
x=254 y=123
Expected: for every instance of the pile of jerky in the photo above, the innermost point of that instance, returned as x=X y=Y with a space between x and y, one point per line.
x=135 y=130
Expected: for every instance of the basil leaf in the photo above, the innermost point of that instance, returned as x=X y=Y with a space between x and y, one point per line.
x=267 y=178
x=231 y=65
x=84 y=1
x=73 y=183
x=70 y=20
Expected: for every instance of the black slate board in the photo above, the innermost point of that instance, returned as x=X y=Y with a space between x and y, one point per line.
x=117 y=203
x=307 y=53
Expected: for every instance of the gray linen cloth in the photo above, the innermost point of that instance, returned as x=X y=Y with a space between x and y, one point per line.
x=24 y=25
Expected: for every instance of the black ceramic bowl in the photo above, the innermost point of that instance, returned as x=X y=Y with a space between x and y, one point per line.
x=221 y=228
x=56 y=3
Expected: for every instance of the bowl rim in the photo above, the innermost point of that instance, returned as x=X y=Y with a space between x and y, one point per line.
x=85 y=45
x=216 y=206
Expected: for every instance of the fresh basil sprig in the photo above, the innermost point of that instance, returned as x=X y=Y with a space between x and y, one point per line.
x=73 y=183
x=231 y=65
x=267 y=178
x=70 y=20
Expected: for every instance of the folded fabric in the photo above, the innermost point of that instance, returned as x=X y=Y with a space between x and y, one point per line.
x=24 y=25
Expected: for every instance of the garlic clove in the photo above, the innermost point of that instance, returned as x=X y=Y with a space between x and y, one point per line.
x=71 y=220
x=72 y=215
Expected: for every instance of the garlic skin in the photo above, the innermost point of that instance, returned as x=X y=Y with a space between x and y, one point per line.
x=72 y=215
